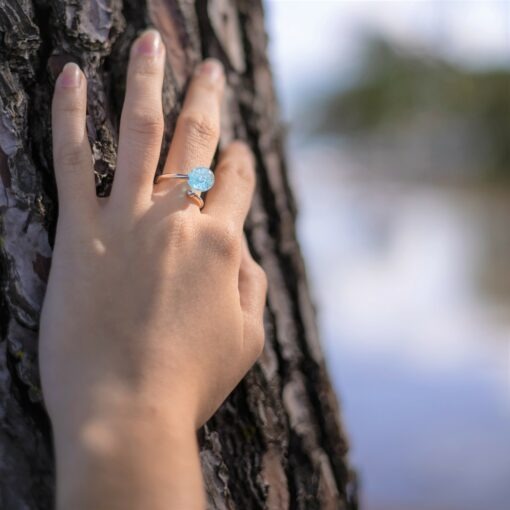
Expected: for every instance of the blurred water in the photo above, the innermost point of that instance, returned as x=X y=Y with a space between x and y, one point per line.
x=407 y=251
x=412 y=286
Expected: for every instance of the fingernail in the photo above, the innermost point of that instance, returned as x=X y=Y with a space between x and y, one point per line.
x=70 y=77
x=211 y=69
x=149 y=43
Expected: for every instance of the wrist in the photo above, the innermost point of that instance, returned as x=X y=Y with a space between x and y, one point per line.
x=130 y=460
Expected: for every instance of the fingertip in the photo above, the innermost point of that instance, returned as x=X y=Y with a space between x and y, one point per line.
x=146 y=59
x=70 y=77
x=210 y=72
x=148 y=44
x=70 y=94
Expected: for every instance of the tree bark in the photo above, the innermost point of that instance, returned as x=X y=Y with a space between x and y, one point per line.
x=277 y=441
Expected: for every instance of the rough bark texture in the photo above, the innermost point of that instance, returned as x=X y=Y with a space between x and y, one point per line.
x=277 y=442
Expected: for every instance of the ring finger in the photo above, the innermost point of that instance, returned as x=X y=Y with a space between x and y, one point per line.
x=198 y=127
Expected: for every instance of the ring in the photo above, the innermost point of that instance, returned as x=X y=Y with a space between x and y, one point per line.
x=200 y=179
x=196 y=197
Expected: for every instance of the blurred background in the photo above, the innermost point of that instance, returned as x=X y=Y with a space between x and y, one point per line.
x=399 y=147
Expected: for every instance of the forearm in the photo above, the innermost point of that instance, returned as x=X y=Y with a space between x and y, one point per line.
x=130 y=466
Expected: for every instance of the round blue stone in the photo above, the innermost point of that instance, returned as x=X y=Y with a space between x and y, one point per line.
x=201 y=179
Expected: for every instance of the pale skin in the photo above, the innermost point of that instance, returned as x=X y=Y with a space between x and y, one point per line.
x=153 y=311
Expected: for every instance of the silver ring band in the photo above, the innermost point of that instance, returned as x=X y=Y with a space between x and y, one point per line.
x=162 y=177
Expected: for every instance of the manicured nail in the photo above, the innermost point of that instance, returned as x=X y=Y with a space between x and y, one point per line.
x=70 y=77
x=149 y=43
x=211 y=69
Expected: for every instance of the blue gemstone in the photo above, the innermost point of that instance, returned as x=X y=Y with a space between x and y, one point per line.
x=201 y=179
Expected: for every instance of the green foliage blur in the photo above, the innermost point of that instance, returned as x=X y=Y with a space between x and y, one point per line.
x=396 y=86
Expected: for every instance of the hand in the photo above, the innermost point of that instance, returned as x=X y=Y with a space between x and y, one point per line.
x=153 y=311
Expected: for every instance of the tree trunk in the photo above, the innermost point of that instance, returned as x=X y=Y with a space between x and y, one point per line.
x=277 y=442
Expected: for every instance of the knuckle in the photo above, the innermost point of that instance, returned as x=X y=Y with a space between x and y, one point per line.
x=199 y=128
x=69 y=101
x=146 y=122
x=71 y=106
x=70 y=156
x=221 y=240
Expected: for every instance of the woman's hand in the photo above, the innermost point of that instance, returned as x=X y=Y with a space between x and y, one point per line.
x=153 y=311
